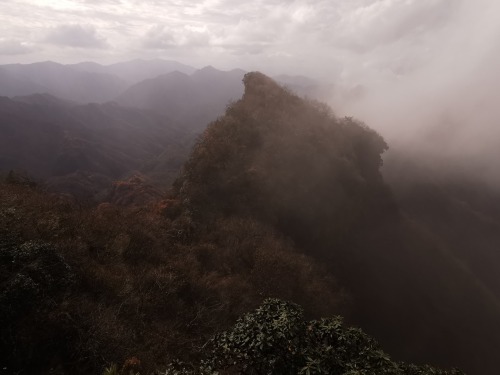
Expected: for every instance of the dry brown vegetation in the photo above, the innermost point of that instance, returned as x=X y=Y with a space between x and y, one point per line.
x=279 y=199
x=139 y=286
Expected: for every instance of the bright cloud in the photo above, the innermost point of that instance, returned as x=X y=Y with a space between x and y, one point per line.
x=12 y=47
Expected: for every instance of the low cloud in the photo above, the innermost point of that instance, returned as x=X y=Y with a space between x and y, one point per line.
x=12 y=47
x=163 y=37
x=432 y=88
x=159 y=37
x=76 y=36
x=380 y=23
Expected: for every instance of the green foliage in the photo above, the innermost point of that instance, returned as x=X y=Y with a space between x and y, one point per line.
x=111 y=370
x=265 y=341
x=34 y=272
x=130 y=367
x=275 y=339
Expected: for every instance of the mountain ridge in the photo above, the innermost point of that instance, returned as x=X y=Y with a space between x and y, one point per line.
x=50 y=138
x=278 y=198
x=194 y=99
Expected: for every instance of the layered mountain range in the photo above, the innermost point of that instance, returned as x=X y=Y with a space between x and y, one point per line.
x=81 y=126
x=277 y=198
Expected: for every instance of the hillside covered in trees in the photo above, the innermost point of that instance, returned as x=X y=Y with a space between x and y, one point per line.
x=278 y=199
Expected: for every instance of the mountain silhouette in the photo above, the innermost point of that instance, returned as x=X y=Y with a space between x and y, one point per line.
x=58 y=80
x=192 y=100
x=137 y=70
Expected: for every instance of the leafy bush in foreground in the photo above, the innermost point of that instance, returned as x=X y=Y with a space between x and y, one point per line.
x=275 y=339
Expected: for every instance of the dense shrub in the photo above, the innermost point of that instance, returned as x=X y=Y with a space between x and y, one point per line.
x=275 y=339
x=84 y=286
x=35 y=280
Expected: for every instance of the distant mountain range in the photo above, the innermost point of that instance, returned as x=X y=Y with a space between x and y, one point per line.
x=84 y=82
x=59 y=80
x=78 y=128
x=161 y=85
x=193 y=100
x=136 y=70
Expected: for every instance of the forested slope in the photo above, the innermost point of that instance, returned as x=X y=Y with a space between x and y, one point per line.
x=279 y=198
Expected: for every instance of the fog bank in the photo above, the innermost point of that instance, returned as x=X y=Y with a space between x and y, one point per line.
x=436 y=95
